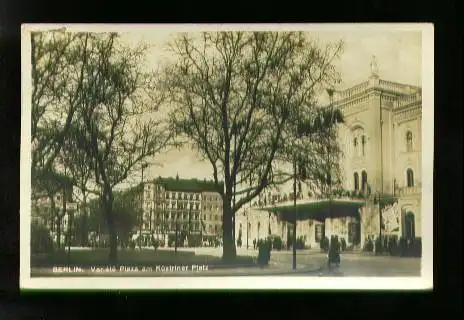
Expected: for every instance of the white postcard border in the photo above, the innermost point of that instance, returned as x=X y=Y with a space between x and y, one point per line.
x=425 y=281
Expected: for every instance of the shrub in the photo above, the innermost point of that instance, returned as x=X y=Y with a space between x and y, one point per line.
x=300 y=243
x=369 y=246
x=417 y=247
x=403 y=247
x=264 y=252
x=378 y=244
x=41 y=240
x=157 y=243
x=410 y=247
x=392 y=245
x=277 y=243
x=194 y=241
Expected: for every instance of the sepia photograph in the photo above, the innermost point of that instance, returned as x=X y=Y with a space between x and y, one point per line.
x=283 y=156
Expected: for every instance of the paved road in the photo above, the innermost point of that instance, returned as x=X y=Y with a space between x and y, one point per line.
x=356 y=265
x=313 y=263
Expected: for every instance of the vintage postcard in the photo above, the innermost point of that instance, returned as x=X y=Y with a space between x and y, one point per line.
x=283 y=156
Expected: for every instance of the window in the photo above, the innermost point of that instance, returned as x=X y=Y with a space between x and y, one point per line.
x=356 y=181
x=364 y=180
x=409 y=226
x=410 y=178
x=409 y=141
x=363 y=145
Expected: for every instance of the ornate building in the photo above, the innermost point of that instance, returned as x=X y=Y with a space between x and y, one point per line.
x=381 y=143
x=381 y=139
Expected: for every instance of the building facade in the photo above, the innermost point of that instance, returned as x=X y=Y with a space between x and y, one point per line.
x=181 y=205
x=381 y=145
x=381 y=139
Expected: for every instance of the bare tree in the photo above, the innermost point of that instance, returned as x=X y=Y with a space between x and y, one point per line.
x=58 y=62
x=51 y=183
x=116 y=112
x=235 y=92
x=80 y=169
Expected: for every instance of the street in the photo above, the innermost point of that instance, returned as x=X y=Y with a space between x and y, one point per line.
x=309 y=263
x=353 y=265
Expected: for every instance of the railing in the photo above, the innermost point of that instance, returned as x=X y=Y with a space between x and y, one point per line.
x=352 y=91
x=410 y=99
x=405 y=191
x=394 y=86
x=288 y=198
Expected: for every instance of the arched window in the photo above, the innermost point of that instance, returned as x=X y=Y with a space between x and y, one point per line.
x=356 y=181
x=409 y=230
x=409 y=141
x=410 y=178
x=355 y=145
x=363 y=145
x=364 y=180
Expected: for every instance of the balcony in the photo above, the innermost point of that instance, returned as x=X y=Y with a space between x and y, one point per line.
x=410 y=191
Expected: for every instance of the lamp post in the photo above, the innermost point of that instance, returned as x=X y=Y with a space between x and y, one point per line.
x=144 y=165
x=380 y=224
x=295 y=214
x=330 y=92
x=248 y=227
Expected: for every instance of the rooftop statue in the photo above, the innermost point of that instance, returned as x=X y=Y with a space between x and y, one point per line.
x=374 y=67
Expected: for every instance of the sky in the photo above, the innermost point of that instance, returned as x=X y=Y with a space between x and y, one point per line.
x=398 y=53
x=397 y=47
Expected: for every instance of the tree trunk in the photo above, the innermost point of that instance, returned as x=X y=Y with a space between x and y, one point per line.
x=229 y=252
x=108 y=209
x=58 y=230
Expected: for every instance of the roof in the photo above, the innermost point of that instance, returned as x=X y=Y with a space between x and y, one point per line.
x=320 y=210
x=188 y=185
x=325 y=208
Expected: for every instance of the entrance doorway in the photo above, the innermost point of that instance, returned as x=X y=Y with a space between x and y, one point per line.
x=409 y=228
x=354 y=233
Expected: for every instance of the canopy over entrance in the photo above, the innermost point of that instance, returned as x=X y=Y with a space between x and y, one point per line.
x=318 y=209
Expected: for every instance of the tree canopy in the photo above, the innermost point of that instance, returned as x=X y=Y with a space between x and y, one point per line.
x=234 y=97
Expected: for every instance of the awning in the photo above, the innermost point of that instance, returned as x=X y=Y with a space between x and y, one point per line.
x=319 y=209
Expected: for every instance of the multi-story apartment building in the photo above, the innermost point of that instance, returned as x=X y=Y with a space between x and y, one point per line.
x=381 y=144
x=211 y=204
x=173 y=204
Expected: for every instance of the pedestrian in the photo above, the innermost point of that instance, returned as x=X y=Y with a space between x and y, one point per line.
x=337 y=251
x=334 y=251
